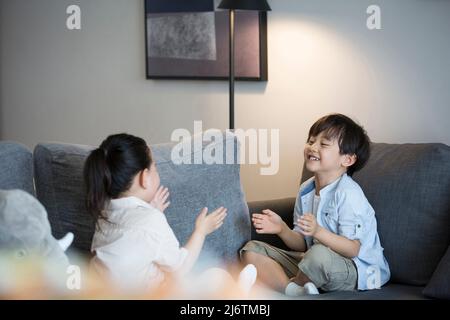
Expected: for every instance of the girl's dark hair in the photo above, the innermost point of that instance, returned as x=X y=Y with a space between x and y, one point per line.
x=352 y=138
x=110 y=169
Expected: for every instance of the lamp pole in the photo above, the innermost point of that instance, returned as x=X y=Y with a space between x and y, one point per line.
x=231 y=68
x=231 y=6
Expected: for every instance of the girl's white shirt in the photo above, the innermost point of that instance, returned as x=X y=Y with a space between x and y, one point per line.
x=136 y=246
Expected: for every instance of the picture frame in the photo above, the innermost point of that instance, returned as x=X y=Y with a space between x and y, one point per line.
x=189 y=40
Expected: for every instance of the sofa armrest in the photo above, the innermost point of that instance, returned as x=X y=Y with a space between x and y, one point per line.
x=283 y=207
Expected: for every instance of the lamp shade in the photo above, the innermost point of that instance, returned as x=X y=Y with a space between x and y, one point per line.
x=257 y=5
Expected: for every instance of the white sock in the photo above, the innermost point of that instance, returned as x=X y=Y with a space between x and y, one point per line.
x=247 y=278
x=311 y=288
x=294 y=290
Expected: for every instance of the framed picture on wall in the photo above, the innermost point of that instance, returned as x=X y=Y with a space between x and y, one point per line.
x=190 y=40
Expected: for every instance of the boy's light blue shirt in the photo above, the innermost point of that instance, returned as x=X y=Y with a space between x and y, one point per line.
x=345 y=211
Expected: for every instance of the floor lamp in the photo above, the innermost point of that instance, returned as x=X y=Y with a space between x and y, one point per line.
x=232 y=5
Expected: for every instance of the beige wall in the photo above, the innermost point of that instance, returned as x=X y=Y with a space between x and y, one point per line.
x=80 y=86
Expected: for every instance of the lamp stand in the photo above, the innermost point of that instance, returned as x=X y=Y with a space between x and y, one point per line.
x=231 y=76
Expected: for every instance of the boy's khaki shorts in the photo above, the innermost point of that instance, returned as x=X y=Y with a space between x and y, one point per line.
x=328 y=270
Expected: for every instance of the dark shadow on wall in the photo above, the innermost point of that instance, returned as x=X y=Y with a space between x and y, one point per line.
x=1 y=72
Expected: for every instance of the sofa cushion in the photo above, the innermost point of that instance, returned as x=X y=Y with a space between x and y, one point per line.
x=59 y=185
x=391 y=291
x=439 y=285
x=408 y=185
x=284 y=208
x=16 y=167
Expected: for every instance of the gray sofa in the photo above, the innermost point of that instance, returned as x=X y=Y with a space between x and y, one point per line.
x=408 y=185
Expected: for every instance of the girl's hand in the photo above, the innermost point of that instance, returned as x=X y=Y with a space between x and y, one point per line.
x=308 y=224
x=267 y=222
x=206 y=224
x=160 y=198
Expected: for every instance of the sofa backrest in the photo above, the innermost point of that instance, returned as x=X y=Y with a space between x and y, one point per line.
x=16 y=167
x=60 y=188
x=58 y=173
x=408 y=185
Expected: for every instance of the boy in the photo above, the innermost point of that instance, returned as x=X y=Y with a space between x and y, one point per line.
x=334 y=242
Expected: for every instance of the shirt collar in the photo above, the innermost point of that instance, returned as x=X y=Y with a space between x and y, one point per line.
x=312 y=186
x=331 y=186
x=128 y=203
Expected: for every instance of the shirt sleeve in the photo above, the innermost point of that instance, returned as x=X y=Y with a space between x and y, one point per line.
x=170 y=256
x=351 y=210
x=297 y=213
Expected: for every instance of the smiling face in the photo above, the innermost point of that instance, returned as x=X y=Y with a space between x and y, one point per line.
x=322 y=156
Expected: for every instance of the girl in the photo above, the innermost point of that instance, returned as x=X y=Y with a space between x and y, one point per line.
x=133 y=242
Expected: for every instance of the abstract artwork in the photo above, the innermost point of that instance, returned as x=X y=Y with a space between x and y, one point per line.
x=189 y=40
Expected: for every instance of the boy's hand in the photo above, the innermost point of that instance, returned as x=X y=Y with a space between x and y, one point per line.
x=205 y=224
x=308 y=225
x=160 y=198
x=267 y=222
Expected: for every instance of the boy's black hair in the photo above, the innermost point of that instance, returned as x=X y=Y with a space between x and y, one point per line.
x=352 y=137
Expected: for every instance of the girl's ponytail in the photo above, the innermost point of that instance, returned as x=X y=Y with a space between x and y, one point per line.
x=97 y=177
x=110 y=169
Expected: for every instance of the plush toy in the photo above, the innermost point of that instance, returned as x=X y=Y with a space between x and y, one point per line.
x=26 y=239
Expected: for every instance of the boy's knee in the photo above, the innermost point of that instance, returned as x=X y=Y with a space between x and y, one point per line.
x=248 y=250
x=316 y=258
x=249 y=256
